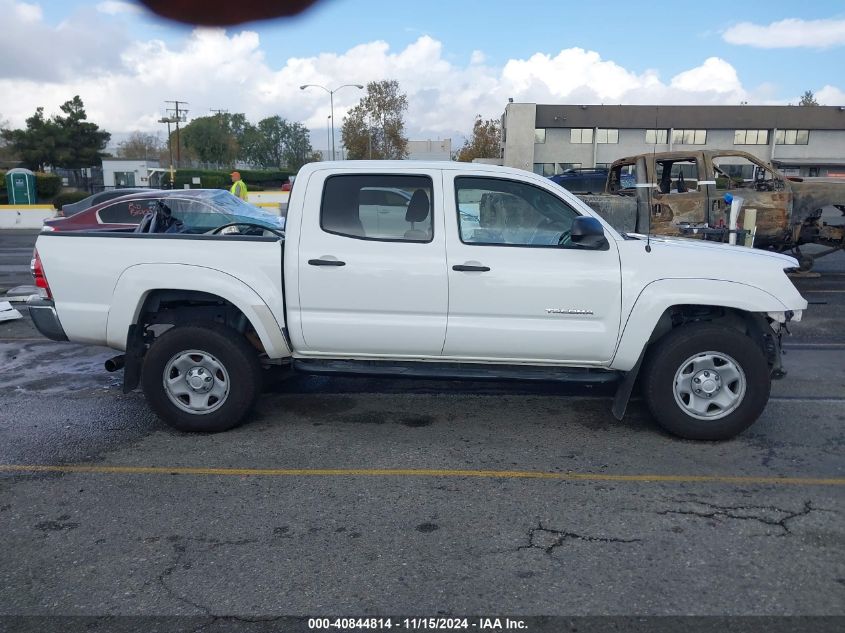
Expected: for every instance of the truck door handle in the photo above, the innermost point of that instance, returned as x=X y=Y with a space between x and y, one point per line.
x=467 y=268
x=326 y=262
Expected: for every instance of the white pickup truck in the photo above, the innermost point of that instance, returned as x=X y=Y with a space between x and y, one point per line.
x=424 y=269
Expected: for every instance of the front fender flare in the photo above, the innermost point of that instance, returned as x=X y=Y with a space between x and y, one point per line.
x=660 y=295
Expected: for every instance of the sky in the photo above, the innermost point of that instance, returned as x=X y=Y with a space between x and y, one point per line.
x=454 y=59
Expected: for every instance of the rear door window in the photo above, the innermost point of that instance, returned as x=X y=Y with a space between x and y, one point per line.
x=378 y=207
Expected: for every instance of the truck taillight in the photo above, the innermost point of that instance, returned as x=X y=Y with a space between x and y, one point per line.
x=37 y=269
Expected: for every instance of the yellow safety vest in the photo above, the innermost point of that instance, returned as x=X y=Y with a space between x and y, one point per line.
x=239 y=189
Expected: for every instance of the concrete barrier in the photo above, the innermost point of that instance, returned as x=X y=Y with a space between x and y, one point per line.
x=23 y=216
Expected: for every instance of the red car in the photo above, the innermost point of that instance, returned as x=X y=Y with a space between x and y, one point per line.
x=200 y=209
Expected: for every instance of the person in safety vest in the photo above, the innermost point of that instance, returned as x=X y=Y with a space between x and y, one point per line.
x=238 y=187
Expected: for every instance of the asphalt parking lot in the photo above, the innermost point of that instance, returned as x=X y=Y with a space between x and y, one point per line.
x=374 y=497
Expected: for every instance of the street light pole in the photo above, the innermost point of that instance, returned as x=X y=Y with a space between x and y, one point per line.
x=328 y=122
x=331 y=101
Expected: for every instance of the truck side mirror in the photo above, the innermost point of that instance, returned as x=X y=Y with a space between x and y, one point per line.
x=587 y=232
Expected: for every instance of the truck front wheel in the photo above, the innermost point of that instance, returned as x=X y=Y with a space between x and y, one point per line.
x=706 y=382
x=201 y=378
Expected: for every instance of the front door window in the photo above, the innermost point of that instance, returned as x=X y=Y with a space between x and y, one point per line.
x=504 y=212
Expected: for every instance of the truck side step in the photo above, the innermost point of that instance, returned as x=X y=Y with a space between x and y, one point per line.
x=453 y=371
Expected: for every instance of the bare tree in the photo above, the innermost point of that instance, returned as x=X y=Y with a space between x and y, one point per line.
x=140 y=146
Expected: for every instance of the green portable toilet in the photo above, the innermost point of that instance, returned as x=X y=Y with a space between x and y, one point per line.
x=20 y=185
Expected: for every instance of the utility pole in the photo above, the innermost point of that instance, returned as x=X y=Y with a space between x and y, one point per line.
x=179 y=116
x=169 y=120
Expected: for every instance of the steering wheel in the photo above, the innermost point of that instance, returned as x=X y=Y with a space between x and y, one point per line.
x=253 y=225
x=544 y=233
x=565 y=238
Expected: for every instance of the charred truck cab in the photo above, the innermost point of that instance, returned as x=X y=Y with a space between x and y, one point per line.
x=686 y=193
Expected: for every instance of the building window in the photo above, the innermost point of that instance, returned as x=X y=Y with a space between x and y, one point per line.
x=581 y=135
x=607 y=135
x=751 y=137
x=653 y=137
x=544 y=169
x=124 y=179
x=562 y=167
x=689 y=137
x=539 y=135
x=792 y=137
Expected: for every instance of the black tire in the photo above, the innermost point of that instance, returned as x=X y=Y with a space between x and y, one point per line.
x=223 y=345
x=668 y=355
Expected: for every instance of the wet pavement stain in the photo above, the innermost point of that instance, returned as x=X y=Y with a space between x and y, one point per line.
x=427 y=527
x=58 y=525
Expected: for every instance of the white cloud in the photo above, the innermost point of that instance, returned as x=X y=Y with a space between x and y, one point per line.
x=116 y=7
x=477 y=57
x=830 y=95
x=789 y=33
x=79 y=46
x=211 y=68
x=25 y=12
x=715 y=75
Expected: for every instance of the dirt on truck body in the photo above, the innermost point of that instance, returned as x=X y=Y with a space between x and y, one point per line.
x=684 y=193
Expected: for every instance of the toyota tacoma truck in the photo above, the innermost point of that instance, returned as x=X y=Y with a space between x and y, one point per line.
x=683 y=193
x=439 y=270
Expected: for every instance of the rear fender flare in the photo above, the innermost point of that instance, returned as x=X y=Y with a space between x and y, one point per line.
x=136 y=282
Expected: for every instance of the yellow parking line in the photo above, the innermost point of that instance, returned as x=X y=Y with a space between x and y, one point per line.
x=420 y=472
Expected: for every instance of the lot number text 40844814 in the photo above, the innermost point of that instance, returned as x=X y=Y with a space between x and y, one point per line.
x=417 y=624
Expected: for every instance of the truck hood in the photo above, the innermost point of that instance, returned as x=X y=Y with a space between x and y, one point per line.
x=809 y=195
x=725 y=252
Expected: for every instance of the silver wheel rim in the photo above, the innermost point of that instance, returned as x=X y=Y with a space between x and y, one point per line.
x=196 y=382
x=709 y=386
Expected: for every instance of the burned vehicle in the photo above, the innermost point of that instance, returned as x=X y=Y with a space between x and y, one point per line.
x=684 y=193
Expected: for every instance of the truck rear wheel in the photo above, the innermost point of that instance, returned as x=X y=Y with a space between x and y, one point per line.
x=201 y=378
x=705 y=382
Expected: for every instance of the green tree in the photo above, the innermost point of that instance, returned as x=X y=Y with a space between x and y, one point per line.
x=298 y=150
x=375 y=128
x=7 y=153
x=82 y=142
x=210 y=139
x=485 y=142
x=276 y=142
x=66 y=140
x=36 y=145
x=808 y=99
x=140 y=146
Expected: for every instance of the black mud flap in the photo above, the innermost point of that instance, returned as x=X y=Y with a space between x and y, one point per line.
x=626 y=386
x=133 y=358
